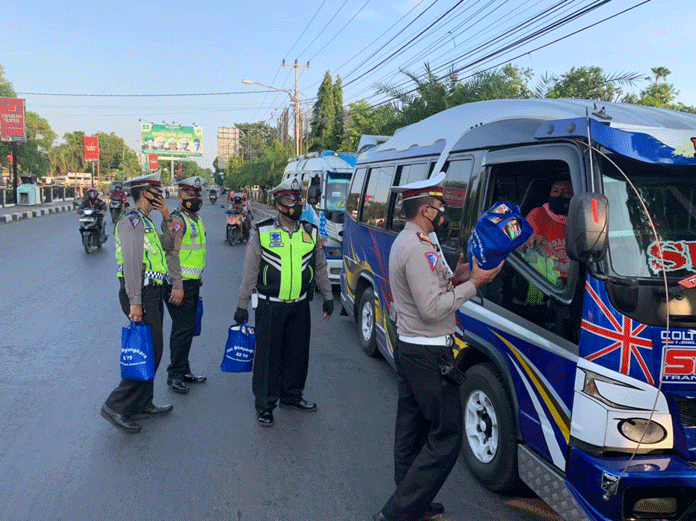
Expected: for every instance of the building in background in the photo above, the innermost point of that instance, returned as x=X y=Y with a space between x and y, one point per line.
x=228 y=145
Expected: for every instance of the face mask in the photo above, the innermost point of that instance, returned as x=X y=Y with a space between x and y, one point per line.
x=440 y=223
x=294 y=212
x=194 y=204
x=559 y=205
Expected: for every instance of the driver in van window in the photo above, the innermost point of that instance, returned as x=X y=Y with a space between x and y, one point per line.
x=546 y=250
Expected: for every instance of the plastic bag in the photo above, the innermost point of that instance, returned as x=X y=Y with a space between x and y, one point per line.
x=498 y=231
x=137 y=352
x=239 y=350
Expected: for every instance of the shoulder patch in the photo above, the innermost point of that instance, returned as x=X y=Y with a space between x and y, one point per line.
x=424 y=238
x=176 y=227
x=134 y=220
x=432 y=259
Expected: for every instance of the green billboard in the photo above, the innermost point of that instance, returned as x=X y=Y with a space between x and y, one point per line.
x=171 y=140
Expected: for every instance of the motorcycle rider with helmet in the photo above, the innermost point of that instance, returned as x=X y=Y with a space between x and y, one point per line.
x=93 y=201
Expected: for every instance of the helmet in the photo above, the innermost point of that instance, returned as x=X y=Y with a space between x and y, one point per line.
x=118 y=186
x=92 y=193
x=237 y=198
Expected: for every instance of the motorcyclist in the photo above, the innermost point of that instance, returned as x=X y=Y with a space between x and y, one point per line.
x=247 y=207
x=213 y=194
x=118 y=193
x=93 y=201
x=238 y=204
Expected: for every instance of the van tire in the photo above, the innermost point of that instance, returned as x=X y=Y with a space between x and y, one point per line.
x=490 y=445
x=366 y=322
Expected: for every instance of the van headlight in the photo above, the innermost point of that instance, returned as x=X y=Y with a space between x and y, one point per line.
x=642 y=430
x=590 y=388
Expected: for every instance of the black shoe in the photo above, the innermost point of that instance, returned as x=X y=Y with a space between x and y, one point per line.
x=265 y=418
x=301 y=405
x=119 y=421
x=432 y=513
x=177 y=386
x=154 y=411
x=379 y=517
x=192 y=378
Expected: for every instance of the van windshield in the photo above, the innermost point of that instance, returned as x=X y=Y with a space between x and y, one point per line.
x=336 y=191
x=669 y=194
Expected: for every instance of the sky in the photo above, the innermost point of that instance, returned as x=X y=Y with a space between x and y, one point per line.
x=207 y=47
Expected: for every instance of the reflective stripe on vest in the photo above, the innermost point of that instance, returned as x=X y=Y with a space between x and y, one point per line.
x=154 y=263
x=288 y=257
x=192 y=251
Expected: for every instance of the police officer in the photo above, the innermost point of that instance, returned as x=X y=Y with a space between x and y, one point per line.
x=185 y=264
x=426 y=295
x=283 y=257
x=141 y=271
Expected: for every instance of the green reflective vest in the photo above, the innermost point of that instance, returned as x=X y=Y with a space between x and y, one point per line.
x=154 y=263
x=192 y=252
x=287 y=262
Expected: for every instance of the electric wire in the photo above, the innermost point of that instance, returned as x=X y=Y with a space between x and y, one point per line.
x=324 y=28
x=340 y=31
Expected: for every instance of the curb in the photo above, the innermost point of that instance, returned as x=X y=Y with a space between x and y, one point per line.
x=35 y=212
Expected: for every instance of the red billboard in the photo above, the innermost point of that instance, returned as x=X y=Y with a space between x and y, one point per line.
x=91 y=148
x=153 y=161
x=12 y=120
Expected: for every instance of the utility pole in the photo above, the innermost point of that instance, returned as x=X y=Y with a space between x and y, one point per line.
x=296 y=103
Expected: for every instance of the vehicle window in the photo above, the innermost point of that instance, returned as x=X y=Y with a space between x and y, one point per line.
x=545 y=265
x=455 y=190
x=355 y=192
x=669 y=195
x=336 y=190
x=406 y=174
x=374 y=210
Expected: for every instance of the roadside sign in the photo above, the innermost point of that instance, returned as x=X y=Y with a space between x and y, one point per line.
x=12 y=120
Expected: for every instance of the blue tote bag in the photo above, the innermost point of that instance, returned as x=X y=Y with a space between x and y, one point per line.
x=137 y=352
x=199 y=318
x=239 y=351
x=498 y=231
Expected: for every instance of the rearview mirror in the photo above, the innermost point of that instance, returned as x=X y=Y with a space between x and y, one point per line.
x=588 y=222
x=313 y=194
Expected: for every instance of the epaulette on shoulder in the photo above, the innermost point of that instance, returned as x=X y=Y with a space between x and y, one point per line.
x=424 y=238
x=265 y=222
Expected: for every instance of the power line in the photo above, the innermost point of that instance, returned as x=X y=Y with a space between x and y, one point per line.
x=340 y=31
x=324 y=28
x=143 y=95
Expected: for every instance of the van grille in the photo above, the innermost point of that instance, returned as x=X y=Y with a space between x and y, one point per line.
x=687 y=410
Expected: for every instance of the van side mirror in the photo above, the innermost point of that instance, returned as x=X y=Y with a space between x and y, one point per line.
x=313 y=195
x=588 y=223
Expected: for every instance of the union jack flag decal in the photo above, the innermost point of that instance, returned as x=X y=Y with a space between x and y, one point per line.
x=612 y=334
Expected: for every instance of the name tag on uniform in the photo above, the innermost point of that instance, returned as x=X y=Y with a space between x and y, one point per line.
x=306 y=237
x=276 y=240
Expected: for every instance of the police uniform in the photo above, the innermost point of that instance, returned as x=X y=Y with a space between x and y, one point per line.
x=428 y=434
x=185 y=265
x=282 y=264
x=141 y=271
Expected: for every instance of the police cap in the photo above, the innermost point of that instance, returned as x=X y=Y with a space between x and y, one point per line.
x=288 y=188
x=428 y=187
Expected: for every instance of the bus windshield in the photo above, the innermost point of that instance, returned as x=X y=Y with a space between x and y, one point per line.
x=669 y=194
x=336 y=191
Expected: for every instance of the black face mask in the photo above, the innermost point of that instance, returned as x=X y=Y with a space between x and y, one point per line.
x=193 y=205
x=559 y=205
x=441 y=223
x=294 y=212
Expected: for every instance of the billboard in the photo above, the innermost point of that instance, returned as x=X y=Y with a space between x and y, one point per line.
x=171 y=140
x=12 y=126
x=91 y=148
x=152 y=161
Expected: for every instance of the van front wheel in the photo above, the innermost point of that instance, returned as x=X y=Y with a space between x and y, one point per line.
x=490 y=447
x=366 y=322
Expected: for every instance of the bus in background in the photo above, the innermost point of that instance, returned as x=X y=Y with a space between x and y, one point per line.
x=580 y=370
x=325 y=177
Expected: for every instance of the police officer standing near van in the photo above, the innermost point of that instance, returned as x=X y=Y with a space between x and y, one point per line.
x=426 y=294
x=141 y=271
x=283 y=258
x=185 y=264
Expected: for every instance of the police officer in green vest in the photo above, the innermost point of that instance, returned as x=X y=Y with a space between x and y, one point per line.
x=283 y=260
x=141 y=271
x=185 y=263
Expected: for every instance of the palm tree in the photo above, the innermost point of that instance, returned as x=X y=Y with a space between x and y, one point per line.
x=660 y=72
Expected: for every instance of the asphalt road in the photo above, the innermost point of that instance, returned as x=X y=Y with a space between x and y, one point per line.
x=59 y=460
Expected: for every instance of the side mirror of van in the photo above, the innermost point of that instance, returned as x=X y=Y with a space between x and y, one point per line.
x=313 y=195
x=588 y=222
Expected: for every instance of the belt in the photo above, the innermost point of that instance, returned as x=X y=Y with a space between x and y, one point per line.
x=146 y=282
x=444 y=340
x=276 y=299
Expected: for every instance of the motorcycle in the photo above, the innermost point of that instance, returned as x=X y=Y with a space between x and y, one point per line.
x=235 y=227
x=115 y=208
x=90 y=230
x=213 y=198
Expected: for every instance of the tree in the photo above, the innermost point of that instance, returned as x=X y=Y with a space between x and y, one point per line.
x=337 y=133
x=660 y=72
x=323 y=116
x=590 y=83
